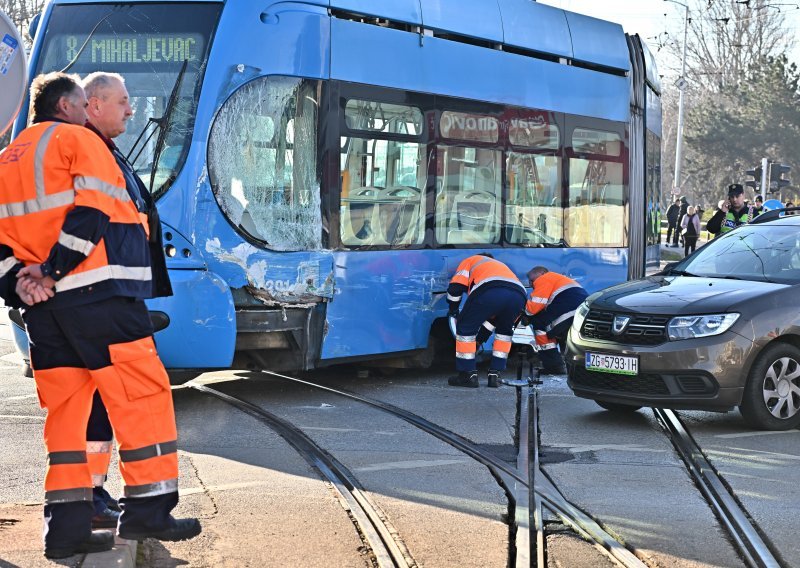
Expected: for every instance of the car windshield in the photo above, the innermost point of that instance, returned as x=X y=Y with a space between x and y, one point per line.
x=148 y=44
x=765 y=253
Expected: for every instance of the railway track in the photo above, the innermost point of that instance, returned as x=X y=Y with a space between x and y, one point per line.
x=527 y=531
x=529 y=547
x=384 y=542
x=755 y=550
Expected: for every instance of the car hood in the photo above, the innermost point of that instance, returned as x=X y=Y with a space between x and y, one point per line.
x=676 y=295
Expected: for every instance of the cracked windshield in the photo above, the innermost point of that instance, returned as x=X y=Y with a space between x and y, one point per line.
x=148 y=44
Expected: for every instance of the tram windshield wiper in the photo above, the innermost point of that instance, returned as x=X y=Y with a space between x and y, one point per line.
x=164 y=123
x=674 y=272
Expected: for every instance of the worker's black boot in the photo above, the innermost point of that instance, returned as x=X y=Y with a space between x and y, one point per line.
x=98 y=541
x=464 y=379
x=494 y=378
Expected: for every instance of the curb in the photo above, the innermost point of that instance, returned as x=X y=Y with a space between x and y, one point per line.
x=123 y=554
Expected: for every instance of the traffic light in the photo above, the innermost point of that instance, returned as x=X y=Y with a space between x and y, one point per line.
x=755 y=173
x=777 y=181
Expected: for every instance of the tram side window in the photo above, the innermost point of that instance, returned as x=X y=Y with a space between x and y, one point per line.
x=468 y=181
x=533 y=213
x=533 y=199
x=597 y=194
x=383 y=180
x=262 y=160
x=653 y=189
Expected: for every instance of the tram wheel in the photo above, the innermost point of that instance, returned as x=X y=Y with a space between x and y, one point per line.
x=614 y=407
x=771 y=399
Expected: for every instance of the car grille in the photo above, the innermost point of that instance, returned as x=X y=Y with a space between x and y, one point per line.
x=643 y=329
x=640 y=384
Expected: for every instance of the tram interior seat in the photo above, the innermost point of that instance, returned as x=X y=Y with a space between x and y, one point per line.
x=473 y=219
x=373 y=216
x=360 y=220
x=399 y=211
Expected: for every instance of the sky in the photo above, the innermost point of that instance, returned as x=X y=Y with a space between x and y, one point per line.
x=648 y=19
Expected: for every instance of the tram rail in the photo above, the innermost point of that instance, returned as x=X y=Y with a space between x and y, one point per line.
x=383 y=539
x=516 y=482
x=755 y=551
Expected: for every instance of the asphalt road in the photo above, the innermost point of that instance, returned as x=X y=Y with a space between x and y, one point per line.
x=262 y=504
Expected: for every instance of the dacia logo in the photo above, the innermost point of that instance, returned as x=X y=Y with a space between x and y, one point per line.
x=620 y=323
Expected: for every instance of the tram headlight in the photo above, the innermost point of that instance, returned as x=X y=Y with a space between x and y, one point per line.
x=689 y=327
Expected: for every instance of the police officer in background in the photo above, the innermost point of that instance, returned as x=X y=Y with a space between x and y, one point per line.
x=109 y=110
x=495 y=298
x=550 y=310
x=732 y=212
x=759 y=204
x=74 y=249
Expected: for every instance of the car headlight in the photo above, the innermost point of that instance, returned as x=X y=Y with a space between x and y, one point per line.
x=580 y=315
x=687 y=327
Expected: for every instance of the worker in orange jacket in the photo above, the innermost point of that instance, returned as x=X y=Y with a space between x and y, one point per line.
x=109 y=109
x=550 y=310
x=495 y=298
x=74 y=255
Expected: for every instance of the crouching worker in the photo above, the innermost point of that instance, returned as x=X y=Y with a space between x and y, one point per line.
x=495 y=295
x=550 y=311
x=74 y=254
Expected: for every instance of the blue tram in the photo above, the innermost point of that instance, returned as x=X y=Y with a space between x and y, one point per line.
x=321 y=167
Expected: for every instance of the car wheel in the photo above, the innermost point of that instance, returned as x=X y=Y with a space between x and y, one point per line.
x=771 y=399
x=614 y=407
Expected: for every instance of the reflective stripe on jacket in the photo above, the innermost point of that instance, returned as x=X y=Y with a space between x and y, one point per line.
x=53 y=176
x=476 y=271
x=545 y=289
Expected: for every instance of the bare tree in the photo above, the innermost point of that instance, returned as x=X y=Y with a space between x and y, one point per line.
x=727 y=37
x=22 y=12
x=727 y=40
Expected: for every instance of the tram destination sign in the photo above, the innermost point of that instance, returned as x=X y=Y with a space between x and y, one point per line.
x=119 y=49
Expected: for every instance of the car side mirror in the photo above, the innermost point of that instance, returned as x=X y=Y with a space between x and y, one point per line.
x=667 y=269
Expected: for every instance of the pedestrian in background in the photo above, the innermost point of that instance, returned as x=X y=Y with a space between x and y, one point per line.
x=73 y=249
x=494 y=295
x=672 y=218
x=681 y=212
x=690 y=229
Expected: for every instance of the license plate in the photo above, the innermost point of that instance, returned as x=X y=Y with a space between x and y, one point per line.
x=606 y=363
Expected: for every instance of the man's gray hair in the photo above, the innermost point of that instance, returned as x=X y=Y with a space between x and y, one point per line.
x=537 y=271
x=99 y=80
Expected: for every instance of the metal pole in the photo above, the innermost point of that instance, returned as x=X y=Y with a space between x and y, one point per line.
x=681 y=88
x=765 y=177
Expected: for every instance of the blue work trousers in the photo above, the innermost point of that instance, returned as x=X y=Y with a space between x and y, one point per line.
x=499 y=305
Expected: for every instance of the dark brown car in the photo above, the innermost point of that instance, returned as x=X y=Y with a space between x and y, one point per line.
x=719 y=329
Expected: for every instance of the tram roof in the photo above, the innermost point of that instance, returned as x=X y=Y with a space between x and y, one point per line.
x=522 y=24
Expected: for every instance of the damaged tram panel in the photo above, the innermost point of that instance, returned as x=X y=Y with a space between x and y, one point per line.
x=263 y=170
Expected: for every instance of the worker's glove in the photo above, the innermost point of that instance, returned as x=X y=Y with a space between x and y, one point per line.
x=453 y=312
x=525 y=319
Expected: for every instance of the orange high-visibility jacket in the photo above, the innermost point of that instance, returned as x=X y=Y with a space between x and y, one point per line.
x=476 y=271
x=545 y=289
x=63 y=203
